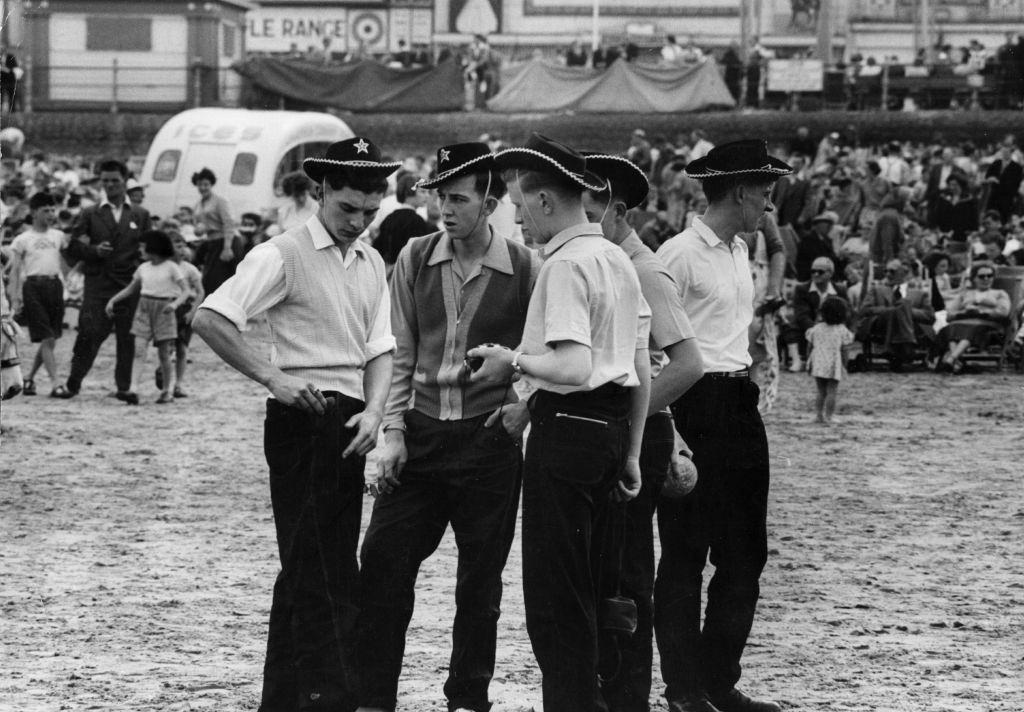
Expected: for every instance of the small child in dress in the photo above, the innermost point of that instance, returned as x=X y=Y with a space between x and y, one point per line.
x=186 y=312
x=828 y=341
x=163 y=289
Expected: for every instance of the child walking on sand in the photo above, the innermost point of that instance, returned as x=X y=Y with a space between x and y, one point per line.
x=163 y=289
x=184 y=314
x=828 y=341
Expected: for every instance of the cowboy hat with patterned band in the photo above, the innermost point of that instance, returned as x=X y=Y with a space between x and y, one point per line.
x=622 y=174
x=546 y=155
x=354 y=154
x=459 y=159
x=738 y=158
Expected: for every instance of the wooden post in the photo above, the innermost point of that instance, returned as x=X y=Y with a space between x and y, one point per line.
x=885 y=86
x=25 y=86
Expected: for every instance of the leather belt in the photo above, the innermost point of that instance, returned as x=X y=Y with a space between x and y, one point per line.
x=728 y=374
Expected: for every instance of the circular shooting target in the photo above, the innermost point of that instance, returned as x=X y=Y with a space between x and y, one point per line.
x=368 y=28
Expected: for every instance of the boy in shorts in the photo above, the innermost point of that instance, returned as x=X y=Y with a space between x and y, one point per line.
x=184 y=314
x=37 y=291
x=163 y=289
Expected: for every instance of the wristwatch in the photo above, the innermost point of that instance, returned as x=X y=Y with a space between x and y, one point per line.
x=515 y=363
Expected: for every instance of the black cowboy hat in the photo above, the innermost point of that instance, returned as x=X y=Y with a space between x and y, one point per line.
x=547 y=155
x=459 y=159
x=622 y=174
x=355 y=154
x=738 y=158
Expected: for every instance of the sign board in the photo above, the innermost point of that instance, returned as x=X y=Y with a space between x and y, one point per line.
x=277 y=29
x=795 y=75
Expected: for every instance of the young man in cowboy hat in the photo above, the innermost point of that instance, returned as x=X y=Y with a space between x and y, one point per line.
x=584 y=348
x=671 y=337
x=452 y=453
x=325 y=297
x=726 y=512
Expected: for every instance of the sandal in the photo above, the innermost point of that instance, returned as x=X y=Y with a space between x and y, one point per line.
x=165 y=397
x=62 y=392
x=178 y=393
x=29 y=389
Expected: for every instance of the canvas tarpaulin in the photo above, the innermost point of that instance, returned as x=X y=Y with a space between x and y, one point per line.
x=360 y=86
x=623 y=87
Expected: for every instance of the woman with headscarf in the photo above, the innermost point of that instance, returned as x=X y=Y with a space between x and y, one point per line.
x=217 y=257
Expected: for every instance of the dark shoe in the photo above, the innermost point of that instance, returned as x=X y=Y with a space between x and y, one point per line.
x=178 y=393
x=736 y=701
x=29 y=389
x=128 y=397
x=692 y=703
x=63 y=392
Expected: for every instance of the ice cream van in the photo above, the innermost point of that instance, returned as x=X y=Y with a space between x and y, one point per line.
x=248 y=151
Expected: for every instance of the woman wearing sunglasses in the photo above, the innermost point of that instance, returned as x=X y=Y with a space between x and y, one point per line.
x=975 y=314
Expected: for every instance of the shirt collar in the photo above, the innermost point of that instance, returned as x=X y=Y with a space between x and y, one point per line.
x=496 y=257
x=633 y=244
x=711 y=239
x=322 y=239
x=830 y=290
x=105 y=201
x=570 y=233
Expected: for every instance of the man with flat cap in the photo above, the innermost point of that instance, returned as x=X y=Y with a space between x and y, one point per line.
x=324 y=294
x=726 y=513
x=584 y=348
x=675 y=367
x=453 y=449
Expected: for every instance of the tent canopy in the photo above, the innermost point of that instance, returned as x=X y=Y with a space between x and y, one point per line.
x=543 y=86
x=359 y=86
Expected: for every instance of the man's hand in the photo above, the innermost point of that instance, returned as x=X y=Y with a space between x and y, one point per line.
x=628 y=485
x=168 y=308
x=497 y=367
x=366 y=424
x=104 y=248
x=392 y=461
x=514 y=418
x=109 y=310
x=297 y=393
x=227 y=254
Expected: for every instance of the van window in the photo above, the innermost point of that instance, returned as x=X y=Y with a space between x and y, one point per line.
x=244 y=170
x=166 y=166
x=292 y=161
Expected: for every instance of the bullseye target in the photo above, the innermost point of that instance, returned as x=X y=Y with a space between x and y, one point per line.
x=368 y=28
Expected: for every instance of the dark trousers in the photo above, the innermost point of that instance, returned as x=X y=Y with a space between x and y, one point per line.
x=458 y=472
x=628 y=660
x=317 y=498
x=725 y=515
x=574 y=456
x=94 y=326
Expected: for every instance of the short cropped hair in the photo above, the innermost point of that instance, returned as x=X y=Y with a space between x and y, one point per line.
x=340 y=178
x=112 y=165
x=41 y=200
x=716 y=189
x=405 y=187
x=531 y=181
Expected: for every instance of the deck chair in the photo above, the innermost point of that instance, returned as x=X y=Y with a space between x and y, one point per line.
x=1011 y=281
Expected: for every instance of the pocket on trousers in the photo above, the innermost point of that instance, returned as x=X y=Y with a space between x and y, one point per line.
x=580 y=449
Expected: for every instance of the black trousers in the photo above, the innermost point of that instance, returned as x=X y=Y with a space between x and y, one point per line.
x=725 y=515
x=458 y=472
x=94 y=326
x=626 y=661
x=574 y=456
x=317 y=499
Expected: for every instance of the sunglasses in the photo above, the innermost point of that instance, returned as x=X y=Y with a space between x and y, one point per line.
x=819 y=271
x=985 y=275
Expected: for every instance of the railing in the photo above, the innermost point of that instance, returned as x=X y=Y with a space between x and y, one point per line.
x=121 y=86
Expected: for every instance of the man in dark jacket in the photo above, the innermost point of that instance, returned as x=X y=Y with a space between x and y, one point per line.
x=1004 y=175
x=105 y=239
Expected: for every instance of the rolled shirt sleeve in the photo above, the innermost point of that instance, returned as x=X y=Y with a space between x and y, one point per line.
x=257 y=285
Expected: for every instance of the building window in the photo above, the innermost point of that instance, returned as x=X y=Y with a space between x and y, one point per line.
x=118 y=34
x=244 y=170
x=229 y=43
x=166 y=166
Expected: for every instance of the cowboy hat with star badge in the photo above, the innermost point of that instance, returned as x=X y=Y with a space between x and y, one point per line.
x=354 y=155
x=623 y=176
x=460 y=159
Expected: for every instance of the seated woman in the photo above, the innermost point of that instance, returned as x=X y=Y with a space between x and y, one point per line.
x=974 y=316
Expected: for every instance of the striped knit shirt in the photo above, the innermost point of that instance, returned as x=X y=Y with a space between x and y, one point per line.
x=328 y=314
x=438 y=314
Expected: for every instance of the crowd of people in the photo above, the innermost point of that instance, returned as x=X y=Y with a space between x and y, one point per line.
x=638 y=349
